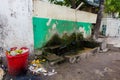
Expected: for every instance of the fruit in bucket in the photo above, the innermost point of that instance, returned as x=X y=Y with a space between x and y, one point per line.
x=18 y=51
x=15 y=51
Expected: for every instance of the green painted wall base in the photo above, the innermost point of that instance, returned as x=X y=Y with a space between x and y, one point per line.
x=44 y=28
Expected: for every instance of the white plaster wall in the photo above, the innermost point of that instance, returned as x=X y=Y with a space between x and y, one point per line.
x=16 y=17
x=113 y=26
x=46 y=10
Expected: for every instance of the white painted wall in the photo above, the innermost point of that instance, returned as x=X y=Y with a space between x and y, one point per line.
x=113 y=26
x=16 y=23
x=46 y=10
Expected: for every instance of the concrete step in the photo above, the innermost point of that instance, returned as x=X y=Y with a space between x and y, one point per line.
x=110 y=43
x=113 y=44
x=116 y=47
x=109 y=46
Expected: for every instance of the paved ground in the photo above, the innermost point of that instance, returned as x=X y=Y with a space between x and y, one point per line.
x=103 y=66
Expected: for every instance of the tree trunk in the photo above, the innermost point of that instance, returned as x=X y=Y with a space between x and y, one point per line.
x=98 y=21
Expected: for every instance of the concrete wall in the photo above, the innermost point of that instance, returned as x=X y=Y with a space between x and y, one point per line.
x=46 y=10
x=16 y=24
x=49 y=19
x=112 y=27
x=45 y=28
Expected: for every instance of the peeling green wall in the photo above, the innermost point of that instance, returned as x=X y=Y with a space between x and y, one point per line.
x=44 y=28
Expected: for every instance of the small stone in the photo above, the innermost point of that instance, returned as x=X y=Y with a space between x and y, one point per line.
x=80 y=72
x=98 y=72
x=109 y=54
x=105 y=50
x=107 y=69
x=72 y=60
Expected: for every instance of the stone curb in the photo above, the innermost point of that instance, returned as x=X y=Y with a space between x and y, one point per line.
x=82 y=56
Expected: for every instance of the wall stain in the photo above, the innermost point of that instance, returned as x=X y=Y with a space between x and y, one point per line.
x=3 y=32
x=13 y=14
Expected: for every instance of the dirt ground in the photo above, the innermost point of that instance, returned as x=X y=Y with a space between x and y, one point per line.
x=103 y=66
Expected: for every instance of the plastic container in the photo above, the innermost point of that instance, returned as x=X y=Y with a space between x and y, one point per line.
x=17 y=64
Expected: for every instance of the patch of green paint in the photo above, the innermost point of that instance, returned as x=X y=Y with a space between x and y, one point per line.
x=44 y=28
x=40 y=31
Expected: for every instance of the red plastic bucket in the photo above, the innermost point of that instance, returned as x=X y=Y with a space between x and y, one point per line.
x=17 y=64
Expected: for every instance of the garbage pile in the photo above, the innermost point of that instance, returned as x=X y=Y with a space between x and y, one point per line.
x=16 y=51
x=36 y=67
